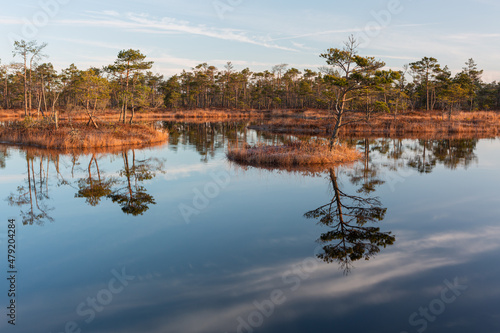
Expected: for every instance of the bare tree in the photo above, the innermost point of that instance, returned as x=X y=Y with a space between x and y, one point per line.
x=25 y=49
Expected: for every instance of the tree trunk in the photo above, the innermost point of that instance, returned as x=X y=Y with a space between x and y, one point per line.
x=335 y=135
x=338 y=124
x=91 y=119
x=25 y=89
x=39 y=105
x=44 y=98
x=132 y=116
x=54 y=112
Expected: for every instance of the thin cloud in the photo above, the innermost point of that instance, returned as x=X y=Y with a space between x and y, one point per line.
x=473 y=36
x=351 y=30
x=90 y=43
x=11 y=20
x=394 y=57
x=318 y=33
x=143 y=23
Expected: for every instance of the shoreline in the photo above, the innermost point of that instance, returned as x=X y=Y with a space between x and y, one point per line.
x=412 y=124
x=160 y=114
x=39 y=133
x=80 y=136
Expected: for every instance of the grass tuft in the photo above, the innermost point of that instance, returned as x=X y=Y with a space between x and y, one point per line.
x=78 y=135
x=294 y=154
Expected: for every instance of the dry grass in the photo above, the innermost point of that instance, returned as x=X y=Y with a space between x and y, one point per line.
x=78 y=135
x=214 y=114
x=412 y=124
x=294 y=154
x=145 y=114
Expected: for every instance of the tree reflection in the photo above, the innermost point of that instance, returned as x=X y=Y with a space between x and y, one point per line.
x=93 y=189
x=451 y=153
x=422 y=160
x=206 y=137
x=126 y=189
x=34 y=194
x=350 y=238
x=455 y=153
x=366 y=175
x=133 y=197
x=4 y=153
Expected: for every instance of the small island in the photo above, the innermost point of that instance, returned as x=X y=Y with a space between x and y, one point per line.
x=296 y=154
x=43 y=134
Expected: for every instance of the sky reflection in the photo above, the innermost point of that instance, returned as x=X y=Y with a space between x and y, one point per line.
x=252 y=239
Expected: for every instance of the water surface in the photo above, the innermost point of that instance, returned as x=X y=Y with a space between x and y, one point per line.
x=175 y=238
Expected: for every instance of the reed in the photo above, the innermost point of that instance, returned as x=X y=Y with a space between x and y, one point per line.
x=294 y=154
x=144 y=114
x=78 y=135
x=483 y=124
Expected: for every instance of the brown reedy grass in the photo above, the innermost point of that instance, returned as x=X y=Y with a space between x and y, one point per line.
x=411 y=124
x=145 y=114
x=312 y=153
x=78 y=135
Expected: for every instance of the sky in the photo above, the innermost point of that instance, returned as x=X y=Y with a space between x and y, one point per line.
x=180 y=34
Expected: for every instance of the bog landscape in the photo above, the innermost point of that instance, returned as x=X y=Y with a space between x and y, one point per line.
x=354 y=196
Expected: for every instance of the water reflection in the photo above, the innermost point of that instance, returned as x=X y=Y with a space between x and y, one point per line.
x=182 y=273
x=4 y=154
x=125 y=187
x=366 y=174
x=208 y=138
x=132 y=196
x=33 y=194
x=454 y=153
x=420 y=155
x=351 y=218
x=351 y=237
x=93 y=189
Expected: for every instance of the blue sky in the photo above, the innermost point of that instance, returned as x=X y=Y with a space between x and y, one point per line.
x=258 y=34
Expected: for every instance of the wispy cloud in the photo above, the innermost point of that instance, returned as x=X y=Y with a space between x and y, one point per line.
x=318 y=33
x=168 y=25
x=349 y=30
x=4 y=20
x=473 y=36
x=94 y=43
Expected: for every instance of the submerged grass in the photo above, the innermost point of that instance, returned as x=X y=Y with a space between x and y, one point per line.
x=78 y=135
x=294 y=154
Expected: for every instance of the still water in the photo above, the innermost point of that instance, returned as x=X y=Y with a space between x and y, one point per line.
x=174 y=238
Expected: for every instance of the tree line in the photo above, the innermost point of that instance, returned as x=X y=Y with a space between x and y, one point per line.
x=35 y=86
x=129 y=85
